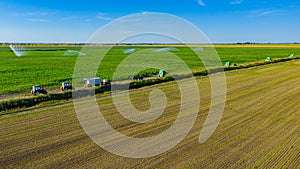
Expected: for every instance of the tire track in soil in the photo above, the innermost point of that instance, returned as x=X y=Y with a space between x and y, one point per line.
x=218 y=151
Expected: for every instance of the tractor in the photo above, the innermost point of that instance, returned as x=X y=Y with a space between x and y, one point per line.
x=65 y=87
x=36 y=90
x=136 y=77
x=161 y=73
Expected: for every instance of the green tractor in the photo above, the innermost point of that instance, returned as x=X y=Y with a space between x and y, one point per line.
x=269 y=59
x=162 y=73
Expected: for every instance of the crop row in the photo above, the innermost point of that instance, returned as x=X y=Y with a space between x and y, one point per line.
x=49 y=66
x=32 y=101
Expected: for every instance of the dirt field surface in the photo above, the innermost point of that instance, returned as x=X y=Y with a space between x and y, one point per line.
x=260 y=128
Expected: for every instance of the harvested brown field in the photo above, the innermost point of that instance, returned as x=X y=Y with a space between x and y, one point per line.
x=260 y=127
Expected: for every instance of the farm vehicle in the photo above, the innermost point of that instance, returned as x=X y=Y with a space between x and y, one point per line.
x=96 y=81
x=105 y=83
x=36 y=90
x=137 y=77
x=65 y=86
x=162 y=73
x=90 y=82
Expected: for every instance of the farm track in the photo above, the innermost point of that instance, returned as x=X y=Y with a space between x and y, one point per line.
x=259 y=128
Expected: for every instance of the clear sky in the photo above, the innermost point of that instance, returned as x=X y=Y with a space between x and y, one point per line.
x=223 y=21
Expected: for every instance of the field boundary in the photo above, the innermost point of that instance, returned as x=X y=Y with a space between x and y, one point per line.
x=222 y=45
x=34 y=100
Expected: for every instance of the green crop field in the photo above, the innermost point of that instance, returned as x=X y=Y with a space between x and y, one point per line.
x=259 y=128
x=48 y=66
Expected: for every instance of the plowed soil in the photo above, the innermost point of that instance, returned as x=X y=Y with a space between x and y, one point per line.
x=260 y=127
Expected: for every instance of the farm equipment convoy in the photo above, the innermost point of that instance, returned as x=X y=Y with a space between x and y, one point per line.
x=65 y=86
x=36 y=90
x=104 y=85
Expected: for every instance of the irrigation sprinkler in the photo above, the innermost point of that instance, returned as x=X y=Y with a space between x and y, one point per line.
x=18 y=51
x=129 y=51
x=166 y=49
x=73 y=52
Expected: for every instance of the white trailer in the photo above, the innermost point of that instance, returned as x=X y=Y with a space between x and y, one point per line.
x=90 y=82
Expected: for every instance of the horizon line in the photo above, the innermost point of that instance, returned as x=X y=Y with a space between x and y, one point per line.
x=142 y=43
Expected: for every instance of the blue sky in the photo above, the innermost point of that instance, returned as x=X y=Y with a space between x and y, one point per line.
x=223 y=21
